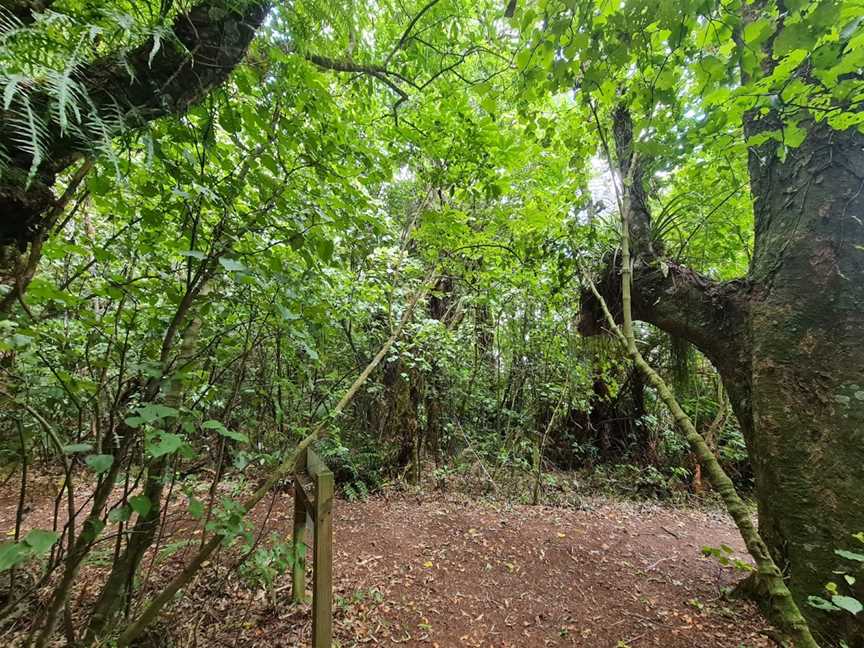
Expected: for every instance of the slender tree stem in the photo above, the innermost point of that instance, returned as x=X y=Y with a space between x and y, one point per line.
x=787 y=613
x=134 y=630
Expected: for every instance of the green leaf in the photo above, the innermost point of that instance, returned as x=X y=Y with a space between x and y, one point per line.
x=19 y=341
x=140 y=504
x=92 y=528
x=74 y=448
x=793 y=135
x=325 y=250
x=11 y=554
x=161 y=443
x=793 y=37
x=41 y=541
x=758 y=31
x=221 y=429
x=196 y=508
x=99 y=463
x=150 y=413
x=99 y=185
x=287 y=315
x=120 y=514
x=851 y=605
x=821 y=604
x=237 y=436
x=195 y=254
x=155 y=412
x=231 y=265
x=849 y=555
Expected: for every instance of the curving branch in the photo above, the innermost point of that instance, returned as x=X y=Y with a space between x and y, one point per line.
x=208 y=43
x=148 y=82
x=406 y=35
x=711 y=315
x=377 y=71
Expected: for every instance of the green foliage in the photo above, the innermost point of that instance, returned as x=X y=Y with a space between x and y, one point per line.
x=36 y=543
x=99 y=463
x=231 y=269
x=724 y=555
x=267 y=561
x=44 y=67
x=851 y=571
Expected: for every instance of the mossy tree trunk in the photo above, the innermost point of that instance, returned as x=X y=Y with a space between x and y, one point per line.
x=787 y=342
x=807 y=344
x=786 y=611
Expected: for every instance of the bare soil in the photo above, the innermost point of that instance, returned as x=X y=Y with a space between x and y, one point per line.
x=445 y=570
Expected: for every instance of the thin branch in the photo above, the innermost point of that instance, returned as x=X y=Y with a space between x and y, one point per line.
x=407 y=33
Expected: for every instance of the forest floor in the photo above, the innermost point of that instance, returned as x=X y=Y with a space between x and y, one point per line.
x=448 y=570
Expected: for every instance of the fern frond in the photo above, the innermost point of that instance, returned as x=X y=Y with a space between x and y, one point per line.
x=10 y=87
x=9 y=22
x=4 y=159
x=29 y=131
x=66 y=91
x=68 y=96
x=100 y=129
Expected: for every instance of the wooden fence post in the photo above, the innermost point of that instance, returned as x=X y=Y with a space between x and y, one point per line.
x=322 y=592
x=298 y=574
x=319 y=508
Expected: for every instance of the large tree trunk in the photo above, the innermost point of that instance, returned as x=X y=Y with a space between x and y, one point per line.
x=807 y=337
x=787 y=342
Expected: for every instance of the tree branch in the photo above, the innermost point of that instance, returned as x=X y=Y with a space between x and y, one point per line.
x=709 y=314
x=341 y=65
x=207 y=43
x=407 y=33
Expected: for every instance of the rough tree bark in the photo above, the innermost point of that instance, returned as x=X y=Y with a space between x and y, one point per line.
x=806 y=329
x=783 y=606
x=787 y=343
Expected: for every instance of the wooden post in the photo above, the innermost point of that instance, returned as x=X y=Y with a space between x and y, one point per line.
x=298 y=575
x=322 y=591
x=319 y=509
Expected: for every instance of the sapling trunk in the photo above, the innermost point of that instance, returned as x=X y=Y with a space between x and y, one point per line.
x=118 y=587
x=541 y=443
x=134 y=630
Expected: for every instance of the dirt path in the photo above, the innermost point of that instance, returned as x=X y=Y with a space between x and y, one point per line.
x=452 y=572
x=456 y=573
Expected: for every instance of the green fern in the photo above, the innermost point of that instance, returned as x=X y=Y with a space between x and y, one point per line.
x=9 y=24
x=10 y=87
x=29 y=131
x=42 y=82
